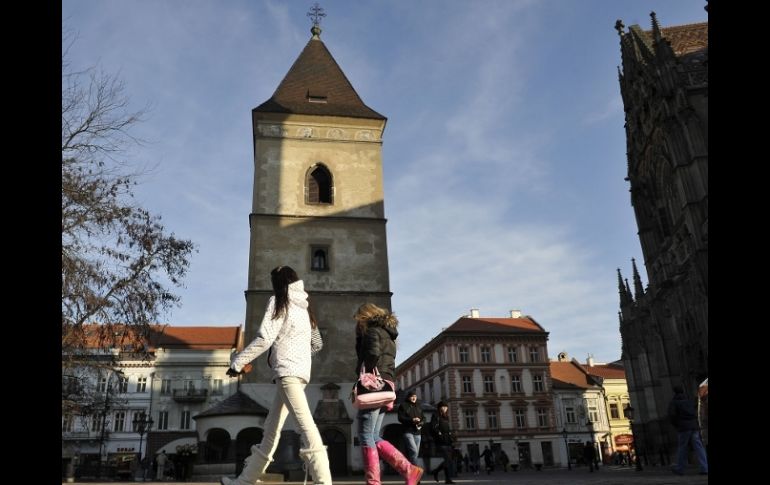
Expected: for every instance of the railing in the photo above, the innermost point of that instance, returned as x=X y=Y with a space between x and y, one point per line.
x=190 y=395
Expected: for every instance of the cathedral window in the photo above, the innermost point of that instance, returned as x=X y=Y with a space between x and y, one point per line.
x=318 y=185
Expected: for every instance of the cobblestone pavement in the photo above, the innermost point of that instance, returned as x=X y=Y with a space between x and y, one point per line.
x=608 y=475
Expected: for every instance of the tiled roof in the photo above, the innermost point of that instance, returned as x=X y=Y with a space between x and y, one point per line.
x=606 y=371
x=315 y=85
x=570 y=375
x=495 y=325
x=204 y=338
x=166 y=336
x=685 y=39
x=238 y=403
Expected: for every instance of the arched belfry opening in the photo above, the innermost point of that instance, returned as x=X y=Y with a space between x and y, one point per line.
x=318 y=185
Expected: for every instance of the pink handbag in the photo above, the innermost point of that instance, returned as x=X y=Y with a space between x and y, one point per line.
x=374 y=391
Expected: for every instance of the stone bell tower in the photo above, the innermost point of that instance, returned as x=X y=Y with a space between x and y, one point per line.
x=318 y=204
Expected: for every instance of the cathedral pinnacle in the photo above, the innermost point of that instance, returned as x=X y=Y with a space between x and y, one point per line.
x=619 y=27
x=316 y=13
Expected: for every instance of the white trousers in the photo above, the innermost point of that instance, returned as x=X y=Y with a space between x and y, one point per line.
x=290 y=398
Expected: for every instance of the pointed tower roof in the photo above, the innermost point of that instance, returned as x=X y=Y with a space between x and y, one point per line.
x=638 y=288
x=315 y=85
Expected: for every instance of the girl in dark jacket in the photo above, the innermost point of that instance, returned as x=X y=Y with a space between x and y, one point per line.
x=376 y=332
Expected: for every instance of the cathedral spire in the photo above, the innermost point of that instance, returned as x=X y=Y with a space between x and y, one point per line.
x=624 y=296
x=638 y=288
x=628 y=290
x=655 y=28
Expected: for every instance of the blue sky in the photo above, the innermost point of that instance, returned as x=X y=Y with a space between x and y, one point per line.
x=504 y=152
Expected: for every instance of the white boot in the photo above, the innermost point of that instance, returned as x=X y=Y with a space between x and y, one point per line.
x=318 y=465
x=256 y=464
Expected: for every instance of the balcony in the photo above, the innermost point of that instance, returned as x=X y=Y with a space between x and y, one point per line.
x=75 y=435
x=190 y=395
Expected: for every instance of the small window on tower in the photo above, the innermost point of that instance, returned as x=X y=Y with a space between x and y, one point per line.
x=319 y=258
x=318 y=185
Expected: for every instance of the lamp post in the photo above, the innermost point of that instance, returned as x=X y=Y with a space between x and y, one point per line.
x=142 y=425
x=565 y=433
x=590 y=426
x=630 y=415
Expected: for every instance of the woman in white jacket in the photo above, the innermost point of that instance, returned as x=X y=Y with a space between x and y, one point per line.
x=290 y=331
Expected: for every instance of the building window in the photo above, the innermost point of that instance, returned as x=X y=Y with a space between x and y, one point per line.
x=542 y=417
x=442 y=388
x=141 y=384
x=102 y=386
x=319 y=258
x=319 y=185
x=441 y=358
x=185 y=421
x=486 y=354
x=134 y=423
x=614 y=413
x=424 y=368
x=96 y=422
x=120 y=421
x=470 y=419
x=571 y=418
x=189 y=385
x=216 y=387
x=489 y=384
x=430 y=364
x=162 y=420
x=593 y=413
x=537 y=382
x=165 y=386
x=67 y=423
x=512 y=357
x=413 y=374
x=520 y=418
x=492 y=419
x=534 y=354
x=463 y=353
x=515 y=383
x=123 y=384
x=467 y=385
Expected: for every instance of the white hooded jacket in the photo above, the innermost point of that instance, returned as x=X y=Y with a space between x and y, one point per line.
x=292 y=339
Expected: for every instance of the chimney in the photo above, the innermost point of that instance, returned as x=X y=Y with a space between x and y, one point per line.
x=590 y=360
x=515 y=313
x=474 y=313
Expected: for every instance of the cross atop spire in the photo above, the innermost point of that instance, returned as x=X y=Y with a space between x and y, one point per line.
x=316 y=13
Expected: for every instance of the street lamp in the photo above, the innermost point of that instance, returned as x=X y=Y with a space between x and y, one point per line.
x=565 y=433
x=590 y=426
x=142 y=425
x=630 y=415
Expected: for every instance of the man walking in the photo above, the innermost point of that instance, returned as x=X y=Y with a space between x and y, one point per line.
x=411 y=416
x=683 y=415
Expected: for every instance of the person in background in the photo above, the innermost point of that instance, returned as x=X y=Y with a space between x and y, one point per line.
x=444 y=439
x=411 y=416
x=683 y=414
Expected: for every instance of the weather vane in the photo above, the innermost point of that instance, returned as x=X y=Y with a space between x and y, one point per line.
x=316 y=13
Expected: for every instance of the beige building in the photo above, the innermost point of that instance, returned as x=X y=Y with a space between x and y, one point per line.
x=612 y=378
x=664 y=327
x=495 y=375
x=318 y=207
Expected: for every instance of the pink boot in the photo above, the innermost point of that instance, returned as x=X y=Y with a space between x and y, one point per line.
x=371 y=465
x=389 y=453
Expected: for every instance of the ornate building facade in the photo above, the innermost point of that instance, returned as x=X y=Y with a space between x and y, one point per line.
x=495 y=375
x=664 y=327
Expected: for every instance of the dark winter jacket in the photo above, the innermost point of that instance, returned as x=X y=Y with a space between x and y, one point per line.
x=683 y=413
x=442 y=433
x=407 y=412
x=377 y=347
